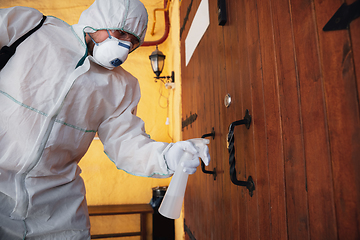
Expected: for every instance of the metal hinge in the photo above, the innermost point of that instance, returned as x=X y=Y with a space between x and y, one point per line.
x=188 y=232
x=189 y=120
x=343 y=17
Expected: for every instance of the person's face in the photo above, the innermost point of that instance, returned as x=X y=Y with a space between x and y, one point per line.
x=101 y=35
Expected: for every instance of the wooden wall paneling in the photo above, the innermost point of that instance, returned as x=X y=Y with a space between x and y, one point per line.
x=188 y=108
x=185 y=82
x=295 y=175
x=185 y=96
x=195 y=203
x=222 y=197
x=305 y=123
x=233 y=40
x=199 y=131
x=260 y=170
x=195 y=106
x=192 y=185
x=186 y=71
x=187 y=133
x=322 y=217
x=207 y=91
x=210 y=77
x=239 y=79
x=199 y=212
x=355 y=42
x=205 y=183
x=202 y=124
x=191 y=205
x=223 y=183
x=246 y=26
x=214 y=123
x=274 y=140
x=213 y=78
x=342 y=108
x=221 y=202
x=184 y=25
x=213 y=148
x=186 y=18
x=210 y=118
x=231 y=201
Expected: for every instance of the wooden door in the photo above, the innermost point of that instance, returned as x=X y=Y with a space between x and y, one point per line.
x=301 y=87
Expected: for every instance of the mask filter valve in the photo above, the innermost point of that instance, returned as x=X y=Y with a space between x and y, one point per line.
x=116 y=62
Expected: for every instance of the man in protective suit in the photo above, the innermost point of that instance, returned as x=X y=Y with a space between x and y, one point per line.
x=64 y=84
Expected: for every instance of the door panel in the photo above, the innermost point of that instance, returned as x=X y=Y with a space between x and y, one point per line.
x=301 y=87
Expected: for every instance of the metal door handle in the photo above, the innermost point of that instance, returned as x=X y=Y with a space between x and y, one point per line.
x=212 y=134
x=249 y=184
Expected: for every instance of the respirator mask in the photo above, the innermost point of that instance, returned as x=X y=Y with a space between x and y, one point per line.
x=111 y=52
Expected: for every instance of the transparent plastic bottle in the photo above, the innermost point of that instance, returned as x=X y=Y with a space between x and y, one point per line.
x=174 y=196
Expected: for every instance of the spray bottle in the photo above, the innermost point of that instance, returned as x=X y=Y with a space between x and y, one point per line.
x=174 y=196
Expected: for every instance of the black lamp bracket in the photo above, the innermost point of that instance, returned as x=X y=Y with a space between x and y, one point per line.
x=170 y=79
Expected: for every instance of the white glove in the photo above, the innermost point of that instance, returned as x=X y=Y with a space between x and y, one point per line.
x=196 y=147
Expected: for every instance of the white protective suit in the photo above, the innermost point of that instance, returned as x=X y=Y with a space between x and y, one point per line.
x=53 y=99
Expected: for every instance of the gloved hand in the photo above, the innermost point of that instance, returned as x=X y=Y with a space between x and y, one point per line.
x=196 y=147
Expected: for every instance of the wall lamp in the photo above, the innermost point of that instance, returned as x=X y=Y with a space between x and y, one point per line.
x=157 y=60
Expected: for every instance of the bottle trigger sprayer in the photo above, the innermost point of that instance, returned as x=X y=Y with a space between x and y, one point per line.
x=174 y=196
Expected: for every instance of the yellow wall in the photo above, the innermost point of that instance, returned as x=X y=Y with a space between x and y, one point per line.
x=104 y=183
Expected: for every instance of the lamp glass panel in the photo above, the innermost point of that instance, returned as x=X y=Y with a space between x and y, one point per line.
x=154 y=64
x=157 y=63
x=160 y=63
